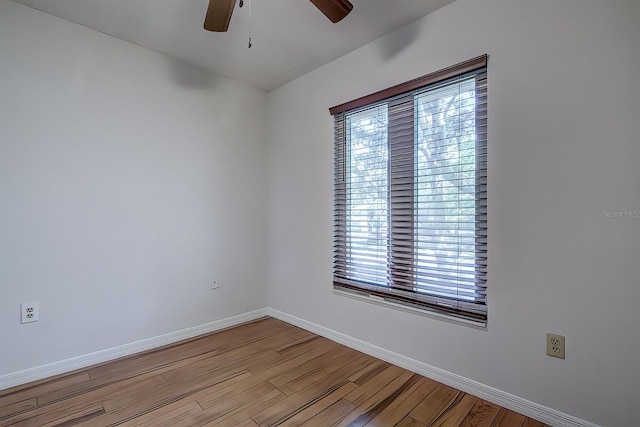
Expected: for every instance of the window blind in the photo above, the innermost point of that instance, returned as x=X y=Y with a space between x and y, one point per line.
x=410 y=208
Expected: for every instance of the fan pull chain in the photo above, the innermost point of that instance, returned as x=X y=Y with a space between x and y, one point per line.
x=250 y=21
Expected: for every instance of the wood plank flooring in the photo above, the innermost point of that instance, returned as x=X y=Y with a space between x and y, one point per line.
x=264 y=373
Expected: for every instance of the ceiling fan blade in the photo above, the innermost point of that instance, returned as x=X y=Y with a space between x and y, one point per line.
x=335 y=10
x=218 y=15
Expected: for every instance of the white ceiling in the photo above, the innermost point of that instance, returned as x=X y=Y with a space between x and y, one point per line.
x=290 y=37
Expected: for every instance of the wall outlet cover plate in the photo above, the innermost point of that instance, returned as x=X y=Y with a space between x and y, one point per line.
x=555 y=345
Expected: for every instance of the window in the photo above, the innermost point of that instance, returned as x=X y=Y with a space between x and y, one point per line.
x=410 y=204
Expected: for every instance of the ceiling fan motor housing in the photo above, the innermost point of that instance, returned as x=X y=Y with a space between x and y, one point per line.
x=219 y=12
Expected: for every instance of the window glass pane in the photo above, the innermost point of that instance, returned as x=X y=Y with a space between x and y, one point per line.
x=367 y=195
x=445 y=189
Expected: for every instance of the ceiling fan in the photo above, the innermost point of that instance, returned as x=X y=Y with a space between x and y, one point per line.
x=219 y=12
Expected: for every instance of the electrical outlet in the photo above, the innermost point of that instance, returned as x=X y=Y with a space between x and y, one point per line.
x=555 y=345
x=29 y=312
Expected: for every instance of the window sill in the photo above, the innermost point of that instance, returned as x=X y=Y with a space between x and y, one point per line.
x=374 y=299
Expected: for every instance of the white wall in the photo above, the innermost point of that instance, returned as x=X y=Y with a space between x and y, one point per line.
x=127 y=181
x=564 y=129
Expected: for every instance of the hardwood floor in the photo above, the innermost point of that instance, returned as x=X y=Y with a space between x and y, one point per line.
x=264 y=373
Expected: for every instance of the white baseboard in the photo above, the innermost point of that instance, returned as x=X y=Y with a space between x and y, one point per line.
x=504 y=399
x=40 y=372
